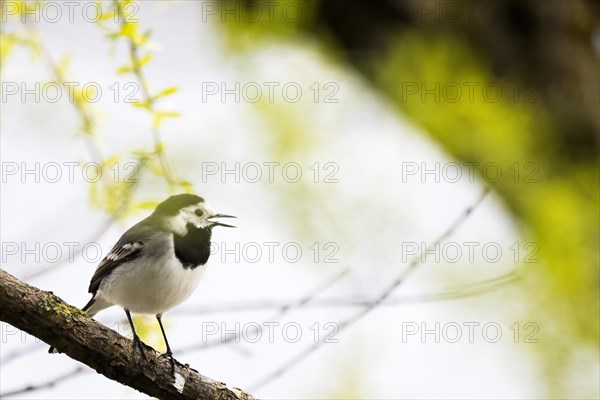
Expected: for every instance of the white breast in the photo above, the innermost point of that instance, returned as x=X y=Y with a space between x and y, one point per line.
x=150 y=288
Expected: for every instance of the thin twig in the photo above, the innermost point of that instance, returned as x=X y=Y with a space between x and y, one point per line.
x=474 y=289
x=87 y=123
x=399 y=280
x=149 y=100
x=468 y=290
x=282 y=310
x=137 y=70
x=70 y=257
x=45 y=385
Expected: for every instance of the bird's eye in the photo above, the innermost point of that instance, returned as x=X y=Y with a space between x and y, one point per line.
x=199 y=213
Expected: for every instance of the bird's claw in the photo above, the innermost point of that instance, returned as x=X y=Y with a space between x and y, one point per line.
x=138 y=343
x=172 y=361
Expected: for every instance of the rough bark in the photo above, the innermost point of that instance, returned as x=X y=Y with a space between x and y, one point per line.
x=71 y=331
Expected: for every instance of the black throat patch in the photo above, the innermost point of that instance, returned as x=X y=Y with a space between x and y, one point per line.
x=193 y=249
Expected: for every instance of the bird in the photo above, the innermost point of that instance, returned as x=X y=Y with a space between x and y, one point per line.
x=157 y=263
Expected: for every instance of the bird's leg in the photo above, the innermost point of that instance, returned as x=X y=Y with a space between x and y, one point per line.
x=136 y=340
x=169 y=352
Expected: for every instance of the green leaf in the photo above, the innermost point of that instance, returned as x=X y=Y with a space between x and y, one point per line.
x=142 y=154
x=142 y=104
x=145 y=59
x=124 y=69
x=129 y=30
x=159 y=148
x=186 y=186
x=110 y=161
x=169 y=114
x=113 y=35
x=167 y=92
x=160 y=115
x=147 y=205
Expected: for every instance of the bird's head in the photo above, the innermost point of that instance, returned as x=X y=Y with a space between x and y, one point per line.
x=182 y=209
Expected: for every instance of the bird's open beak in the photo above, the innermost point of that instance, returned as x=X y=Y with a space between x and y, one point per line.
x=216 y=223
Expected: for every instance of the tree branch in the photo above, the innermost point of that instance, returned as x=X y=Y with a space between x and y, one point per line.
x=71 y=331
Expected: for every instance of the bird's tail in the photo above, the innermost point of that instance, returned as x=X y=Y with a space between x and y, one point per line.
x=93 y=307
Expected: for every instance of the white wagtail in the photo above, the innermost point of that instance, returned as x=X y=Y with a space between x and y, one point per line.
x=157 y=263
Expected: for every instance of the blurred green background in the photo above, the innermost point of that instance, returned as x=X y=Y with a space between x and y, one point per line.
x=544 y=57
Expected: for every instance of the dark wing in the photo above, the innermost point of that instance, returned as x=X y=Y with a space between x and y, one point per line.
x=120 y=254
x=128 y=248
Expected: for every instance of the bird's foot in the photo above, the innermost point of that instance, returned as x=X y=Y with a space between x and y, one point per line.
x=172 y=361
x=137 y=343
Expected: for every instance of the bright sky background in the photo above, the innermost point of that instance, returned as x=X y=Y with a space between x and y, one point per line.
x=365 y=138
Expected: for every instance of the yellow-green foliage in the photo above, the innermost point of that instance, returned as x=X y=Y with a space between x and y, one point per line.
x=10 y=40
x=245 y=23
x=559 y=206
x=556 y=201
